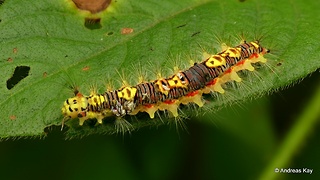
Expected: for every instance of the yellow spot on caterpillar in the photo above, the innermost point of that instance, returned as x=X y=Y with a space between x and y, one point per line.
x=96 y=100
x=175 y=82
x=255 y=45
x=163 y=86
x=233 y=52
x=127 y=93
x=215 y=61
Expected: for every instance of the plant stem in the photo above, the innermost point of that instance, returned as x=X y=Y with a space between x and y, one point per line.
x=295 y=138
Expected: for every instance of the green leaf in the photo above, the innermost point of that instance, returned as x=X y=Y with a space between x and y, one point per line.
x=50 y=38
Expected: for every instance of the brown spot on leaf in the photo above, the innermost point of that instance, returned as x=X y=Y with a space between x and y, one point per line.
x=86 y=68
x=126 y=30
x=10 y=59
x=94 y=6
x=13 y=117
x=15 y=50
x=44 y=74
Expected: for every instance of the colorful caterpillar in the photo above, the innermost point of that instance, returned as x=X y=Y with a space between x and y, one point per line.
x=168 y=93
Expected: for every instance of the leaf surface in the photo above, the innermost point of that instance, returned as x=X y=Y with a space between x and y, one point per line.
x=50 y=38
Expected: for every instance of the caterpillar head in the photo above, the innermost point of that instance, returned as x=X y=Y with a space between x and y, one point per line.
x=74 y=108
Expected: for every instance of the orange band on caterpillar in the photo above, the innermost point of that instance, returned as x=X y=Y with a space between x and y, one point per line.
x=168 y=93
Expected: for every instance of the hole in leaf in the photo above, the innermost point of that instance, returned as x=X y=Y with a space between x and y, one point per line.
x=86 y=68
x=20 y=73
x=92 y=6
x=92 y=24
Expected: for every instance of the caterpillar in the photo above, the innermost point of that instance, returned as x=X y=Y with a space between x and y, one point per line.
x=162 y=94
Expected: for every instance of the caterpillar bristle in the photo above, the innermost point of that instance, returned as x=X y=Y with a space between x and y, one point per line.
x=179 y=123
x=122 y=126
